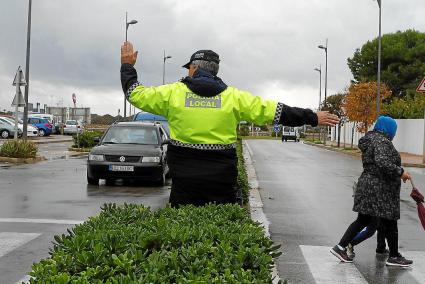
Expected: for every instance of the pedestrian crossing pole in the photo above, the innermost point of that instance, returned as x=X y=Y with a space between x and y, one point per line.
x=423 y=151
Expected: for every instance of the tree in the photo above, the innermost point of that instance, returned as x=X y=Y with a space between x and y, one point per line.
x=412 y=106
x=360 y=103
x=403 y=61
x=334 y=104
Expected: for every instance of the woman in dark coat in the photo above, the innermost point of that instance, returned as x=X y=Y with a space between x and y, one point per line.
x=378 y=190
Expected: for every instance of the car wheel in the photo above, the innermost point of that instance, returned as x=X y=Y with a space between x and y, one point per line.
x=109 y=181
x=5 y=134
x=41 y=132
x=92 y=181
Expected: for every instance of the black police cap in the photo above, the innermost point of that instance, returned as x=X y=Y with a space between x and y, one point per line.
x=207 y=55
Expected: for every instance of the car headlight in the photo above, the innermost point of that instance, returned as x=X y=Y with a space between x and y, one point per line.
x=98 y=158
x=150 y=160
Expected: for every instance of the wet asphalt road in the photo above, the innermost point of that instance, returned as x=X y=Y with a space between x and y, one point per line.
x=55 y=189
x=307 y=196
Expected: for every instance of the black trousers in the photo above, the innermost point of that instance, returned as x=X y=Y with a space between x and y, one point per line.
x=200 y=177
x=389 y=227
x=198 y=192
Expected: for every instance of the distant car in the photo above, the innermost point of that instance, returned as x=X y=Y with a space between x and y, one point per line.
x=130 y=150
x=72 y=127
x=43 y=125
x=150 y=117
x=7 y=130
x=31 y=131
x=290 y=133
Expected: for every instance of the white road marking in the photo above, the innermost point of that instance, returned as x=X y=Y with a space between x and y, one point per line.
x=10 y=241
x=40 y=221
x=249 y=149
x=26 y=279
x=417 y=269
x=326 y=268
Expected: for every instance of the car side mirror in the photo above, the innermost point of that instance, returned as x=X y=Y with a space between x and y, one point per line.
x=96 y=140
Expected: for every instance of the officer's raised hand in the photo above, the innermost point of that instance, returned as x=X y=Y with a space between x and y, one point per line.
x=327 y=119
x=128 y=55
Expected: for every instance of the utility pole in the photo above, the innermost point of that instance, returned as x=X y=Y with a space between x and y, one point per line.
x=27 y=71
x=378 y=96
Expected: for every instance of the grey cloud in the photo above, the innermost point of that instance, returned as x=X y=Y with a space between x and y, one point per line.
x=75 y=44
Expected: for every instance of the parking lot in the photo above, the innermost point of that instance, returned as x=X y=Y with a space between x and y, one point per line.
x=41 y=200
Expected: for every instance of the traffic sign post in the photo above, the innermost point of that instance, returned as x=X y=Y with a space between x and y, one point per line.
x=276 y=129
x=421 y=89
x=18 y=100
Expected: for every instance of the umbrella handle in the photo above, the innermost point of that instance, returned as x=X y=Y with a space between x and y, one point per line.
x=411 y=182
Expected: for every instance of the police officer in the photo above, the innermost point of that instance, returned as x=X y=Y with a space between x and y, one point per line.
x=203 y=115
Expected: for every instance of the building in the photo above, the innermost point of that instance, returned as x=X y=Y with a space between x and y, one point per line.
x=62 y=114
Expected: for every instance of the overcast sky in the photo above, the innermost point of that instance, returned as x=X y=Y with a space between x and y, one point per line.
x=266 y=47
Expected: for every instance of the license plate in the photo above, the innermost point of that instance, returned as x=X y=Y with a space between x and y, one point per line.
x=115 y=168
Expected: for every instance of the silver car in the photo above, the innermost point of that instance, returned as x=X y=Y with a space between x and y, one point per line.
x=72 y=127
x=7 y=130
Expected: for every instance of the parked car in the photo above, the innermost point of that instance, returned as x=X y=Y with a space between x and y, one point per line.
x=150 y=117
x=47 y=116
x=7 y=130
x=31 y=130
x=43 y=125
x=72 y=127
x=129 y=150
x=290 y=133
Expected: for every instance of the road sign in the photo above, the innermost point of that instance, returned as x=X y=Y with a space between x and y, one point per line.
x=421 y=87
x=19 y=78
x=276 y=128
x=18 y=100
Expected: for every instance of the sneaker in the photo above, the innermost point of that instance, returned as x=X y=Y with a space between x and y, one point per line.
x=341 y=254
x=399 y=261
x=350 y=251
x=382 y=252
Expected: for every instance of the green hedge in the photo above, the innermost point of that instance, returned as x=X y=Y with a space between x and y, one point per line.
x=18 y=149
x=86 y=139
x=242 y=174
x=132 y=244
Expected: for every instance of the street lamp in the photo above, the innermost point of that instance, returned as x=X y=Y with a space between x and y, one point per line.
x=127 y=24
x=27 y=72
x=320 y=84
x=326 y=67
x=163 y=67
x=378 y=96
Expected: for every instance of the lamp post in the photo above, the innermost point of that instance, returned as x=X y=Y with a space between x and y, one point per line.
x=27 y=72
x=163 y=67
x=378 y=96
x=320 y=84
x=326 y=67
x=127 y=24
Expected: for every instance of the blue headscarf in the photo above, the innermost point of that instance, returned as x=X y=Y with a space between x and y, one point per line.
x=386 y=125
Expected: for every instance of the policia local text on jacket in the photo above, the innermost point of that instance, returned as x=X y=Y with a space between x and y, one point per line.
x=203 y=114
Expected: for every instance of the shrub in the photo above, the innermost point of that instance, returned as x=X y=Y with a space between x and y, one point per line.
x=86 y=139
x=19 y=149
x=242 y=181
x=131 y=244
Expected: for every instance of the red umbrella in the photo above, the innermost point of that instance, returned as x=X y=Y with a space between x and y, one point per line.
x=419 y=198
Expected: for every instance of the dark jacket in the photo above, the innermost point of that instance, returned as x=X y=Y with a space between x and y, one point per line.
x=378 y=188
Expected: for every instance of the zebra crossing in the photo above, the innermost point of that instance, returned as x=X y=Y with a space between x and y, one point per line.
x=326 y=269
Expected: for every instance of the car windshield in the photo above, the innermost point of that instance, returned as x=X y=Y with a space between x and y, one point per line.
x=131 y=135
x=71 y=122
x=43 y=120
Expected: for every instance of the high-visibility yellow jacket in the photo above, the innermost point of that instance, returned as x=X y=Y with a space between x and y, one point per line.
x=208 y=120
x=194 y=119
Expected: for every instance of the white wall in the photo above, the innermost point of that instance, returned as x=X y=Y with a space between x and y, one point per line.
x=409 y=137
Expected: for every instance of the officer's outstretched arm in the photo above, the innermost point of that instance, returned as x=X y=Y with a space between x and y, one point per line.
x=260 y=111
x=150 y=99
